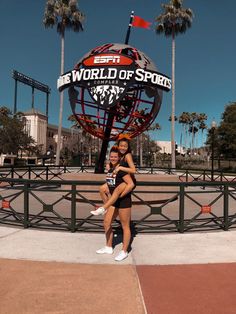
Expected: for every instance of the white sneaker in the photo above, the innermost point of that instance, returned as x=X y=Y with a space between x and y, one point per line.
x=98 y=211
x=105 y=250
x=122 y=255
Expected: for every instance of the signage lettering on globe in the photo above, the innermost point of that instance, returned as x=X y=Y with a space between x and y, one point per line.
x=114 y=89
x=108 y=76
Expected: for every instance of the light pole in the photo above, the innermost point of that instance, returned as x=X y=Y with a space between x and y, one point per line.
x=213 y=128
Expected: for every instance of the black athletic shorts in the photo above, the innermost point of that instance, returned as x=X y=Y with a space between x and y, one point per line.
x=124 y=202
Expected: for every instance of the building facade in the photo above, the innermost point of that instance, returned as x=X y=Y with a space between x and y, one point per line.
x=46 y=135
x=166 y=148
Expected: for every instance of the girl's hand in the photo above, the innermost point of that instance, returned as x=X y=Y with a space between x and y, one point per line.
x=116 y=170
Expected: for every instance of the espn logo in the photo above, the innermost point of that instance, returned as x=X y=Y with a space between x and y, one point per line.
x=107 y=59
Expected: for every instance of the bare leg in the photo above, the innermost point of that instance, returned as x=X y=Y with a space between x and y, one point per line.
x=104 y=192
x=112 y=199
x=115 y=195
x=128 y=188
x=109 y=217
x=125 y=215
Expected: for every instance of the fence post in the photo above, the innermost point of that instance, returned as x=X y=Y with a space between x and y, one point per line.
x=26 y=205
x=73 y=207
x=221 y=176
x=204 y=175
x=226 y=207
x=181 y=209
x=46 y=172
x=12 y=172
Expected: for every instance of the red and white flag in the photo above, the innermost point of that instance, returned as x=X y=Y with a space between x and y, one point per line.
x=139 y=22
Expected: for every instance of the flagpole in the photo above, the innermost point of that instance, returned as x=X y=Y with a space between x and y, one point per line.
x=129 y=28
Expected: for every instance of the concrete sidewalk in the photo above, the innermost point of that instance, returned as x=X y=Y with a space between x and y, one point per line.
x=59 y=272
x=146 y=249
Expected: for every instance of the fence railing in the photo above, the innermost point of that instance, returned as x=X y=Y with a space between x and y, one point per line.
x=157 y=206
x=56 y=172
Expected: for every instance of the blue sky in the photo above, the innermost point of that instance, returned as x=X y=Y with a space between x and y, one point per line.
x=205 y=54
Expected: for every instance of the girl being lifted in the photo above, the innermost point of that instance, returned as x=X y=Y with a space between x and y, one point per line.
x=126 y=164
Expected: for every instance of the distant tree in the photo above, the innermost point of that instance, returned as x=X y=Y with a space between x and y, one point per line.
x=192 y=123
x=170 y=118
x=184 y=119
x=154 y=127
x=87 y=143
x=13 y=137
x=149 y=147
x=202 y=117
x=65 y=15
x=226 y=132
x=173 y=21
x=140 y=145
x=193 y=128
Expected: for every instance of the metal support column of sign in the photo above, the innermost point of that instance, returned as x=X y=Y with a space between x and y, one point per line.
x=101 y=160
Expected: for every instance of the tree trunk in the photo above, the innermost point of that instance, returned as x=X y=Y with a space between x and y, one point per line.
x=173 y=104
x=186 y=142
x=192 y=140
x=61 y=102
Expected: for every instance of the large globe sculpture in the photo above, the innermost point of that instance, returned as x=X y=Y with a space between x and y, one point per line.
x=114 y=89
x=133 y=104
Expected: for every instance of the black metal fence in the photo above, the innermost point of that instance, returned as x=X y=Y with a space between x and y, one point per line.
x=39 y=197
x=55 y=172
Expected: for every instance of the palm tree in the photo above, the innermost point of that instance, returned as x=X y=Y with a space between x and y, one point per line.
x=184 y=119
x=154 y=127
x=202 y=117
x=170 y=118
x=173 y=21
x=65 y=15
x=192 y=128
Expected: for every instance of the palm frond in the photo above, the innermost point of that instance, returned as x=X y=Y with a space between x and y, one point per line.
x=174 y=18
x=64 y=14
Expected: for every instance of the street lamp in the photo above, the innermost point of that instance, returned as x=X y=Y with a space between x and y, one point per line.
x=213 y=128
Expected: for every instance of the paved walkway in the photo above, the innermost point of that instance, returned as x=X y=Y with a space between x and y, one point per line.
x=59 y=272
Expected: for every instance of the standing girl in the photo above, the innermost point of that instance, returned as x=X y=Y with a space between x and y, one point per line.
x=122 y=207
x=125 y=164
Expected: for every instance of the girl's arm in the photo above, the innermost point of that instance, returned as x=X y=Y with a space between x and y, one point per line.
x=107 y=166
x=131 y=169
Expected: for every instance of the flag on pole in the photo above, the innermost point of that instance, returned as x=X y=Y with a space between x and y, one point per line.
x=136 y=21
x=139 y=22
